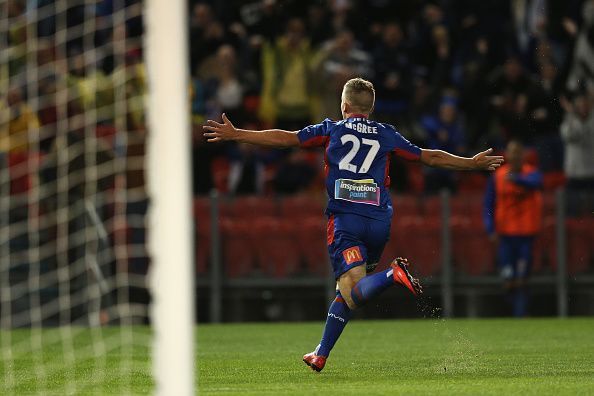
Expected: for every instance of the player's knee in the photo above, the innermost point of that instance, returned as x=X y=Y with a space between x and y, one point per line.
x=349 y=300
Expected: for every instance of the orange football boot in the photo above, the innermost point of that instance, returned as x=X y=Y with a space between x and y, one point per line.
x=402 y=276
x=314 y=361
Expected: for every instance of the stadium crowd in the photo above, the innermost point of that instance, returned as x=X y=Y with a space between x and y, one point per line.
x=72 y=139
x=453 y=74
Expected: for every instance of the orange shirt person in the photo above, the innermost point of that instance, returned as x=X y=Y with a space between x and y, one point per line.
x=513 y=214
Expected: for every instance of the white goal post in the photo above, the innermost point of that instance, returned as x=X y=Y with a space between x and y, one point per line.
x=169 y=181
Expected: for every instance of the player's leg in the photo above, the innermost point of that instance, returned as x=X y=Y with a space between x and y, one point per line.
x=367 y=288
x=521 y=271
x=340 y=311
x=506 y=268
x=346 y=256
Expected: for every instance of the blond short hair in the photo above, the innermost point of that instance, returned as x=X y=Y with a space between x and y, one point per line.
x=359 y=94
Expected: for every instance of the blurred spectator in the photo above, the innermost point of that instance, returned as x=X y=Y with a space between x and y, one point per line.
x=577 y=131
x=226 y=89
x=544 y=118
x=473 y=68
x=91 y=86
x=262 y=18
x=509 y=89
x=444 y=132
x=562 y=27
x=509 y=61
x=439 y=67
x=287 y=78
x=16 y=37
x=393 y=78
x=529 y=17
x=317 y=24
x=206 y=34
x=295 y=174
x=512 y=214
x=246 y=174
x=582 y=69
x=18 y=123
x=340 y=61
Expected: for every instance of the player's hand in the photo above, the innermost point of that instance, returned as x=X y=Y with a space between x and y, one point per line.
x=484 y=161
x=218 y=132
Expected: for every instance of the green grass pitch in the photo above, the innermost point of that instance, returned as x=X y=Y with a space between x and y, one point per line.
x=497 y=356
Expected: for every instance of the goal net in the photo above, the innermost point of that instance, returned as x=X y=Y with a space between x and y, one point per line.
x=74 y=260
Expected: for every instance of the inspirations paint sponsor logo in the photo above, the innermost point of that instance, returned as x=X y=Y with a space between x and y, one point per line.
x=361 y=191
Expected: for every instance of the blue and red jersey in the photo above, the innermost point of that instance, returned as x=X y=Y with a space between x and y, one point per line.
x=357 y=161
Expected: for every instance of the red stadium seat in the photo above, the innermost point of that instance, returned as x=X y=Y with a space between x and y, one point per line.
x=221 y=168
x=202 y=233
x=300 y=206
x=553 y=180
x=406 y=205
x=468 y=206
x=107 y=133
x=545 y=247
x=431 y=207
x=22 y=170
x=416 y=178
x=275 y=247
x=472 y=251
x=471 y=182
x=418 y=239
x=549 y=203
x=580 y=244
x=237 y=247
x=311 y=244
x=252 y=207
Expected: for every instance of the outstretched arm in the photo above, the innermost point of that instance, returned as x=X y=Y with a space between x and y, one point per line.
x=216 y=132
x=443 y=159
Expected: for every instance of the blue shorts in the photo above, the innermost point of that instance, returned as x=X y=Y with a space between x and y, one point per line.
x=355 y=240
x=515 y=256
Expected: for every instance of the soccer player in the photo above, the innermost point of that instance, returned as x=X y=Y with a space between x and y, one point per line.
x=357 y=155
x=512 y=214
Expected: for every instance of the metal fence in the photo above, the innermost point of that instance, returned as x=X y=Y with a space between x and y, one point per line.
x=457 y=287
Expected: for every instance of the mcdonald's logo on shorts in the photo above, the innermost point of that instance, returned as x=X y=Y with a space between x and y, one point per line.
x=352 y=255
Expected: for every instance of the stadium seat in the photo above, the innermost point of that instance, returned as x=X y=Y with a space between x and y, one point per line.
x=252 y=207
x=221 y=168
x=471 y=182
x=202 y=234
x=416 y=238
x=468 y=206
x=22 y=166
x=472 y=252
x=406 y=205
x=275 y=248
x=553 y=180
x=237 y=245
x=549 y=203
x=300 y=206
x=431 y=207
x=580 y=245
x=311 y=244
x=107 y=133
x=545 y=247
x=416 y=178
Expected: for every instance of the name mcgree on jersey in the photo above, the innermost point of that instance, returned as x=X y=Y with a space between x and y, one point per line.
x=360 y=127
x=361 y=191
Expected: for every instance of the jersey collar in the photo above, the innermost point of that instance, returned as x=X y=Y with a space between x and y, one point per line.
x=358 y=116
